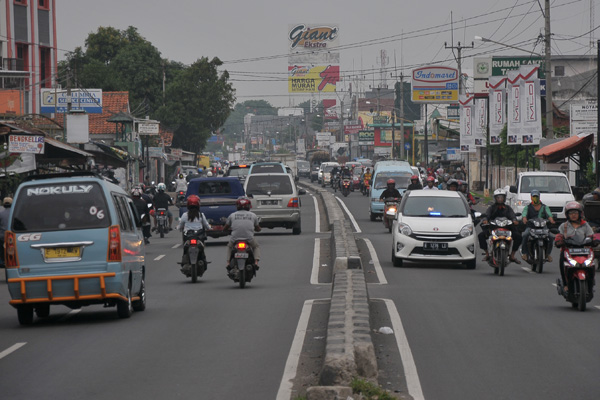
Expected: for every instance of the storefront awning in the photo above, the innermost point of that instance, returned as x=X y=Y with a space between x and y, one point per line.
x=565 y=148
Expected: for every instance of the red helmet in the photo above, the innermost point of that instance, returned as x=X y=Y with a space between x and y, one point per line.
x=391 y=182
x=243 y=203
x=193 y=201
x=430 y=179
x=414 y=178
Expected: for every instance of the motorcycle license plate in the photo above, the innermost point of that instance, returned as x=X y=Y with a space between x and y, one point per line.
x=581 y=251
x=435 y=246
x=269 y=202
x=241 y=255
x=539 y=231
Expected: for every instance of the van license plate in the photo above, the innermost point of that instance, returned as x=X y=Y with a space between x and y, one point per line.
x=269 y=202
x=435 y=246
x=62 y=252
x=241 y=255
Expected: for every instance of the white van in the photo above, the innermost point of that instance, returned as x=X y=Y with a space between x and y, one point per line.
x=554 y=188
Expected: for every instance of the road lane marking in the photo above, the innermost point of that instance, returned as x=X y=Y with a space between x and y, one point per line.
x=376 y=264
x=176 y=246
x=408 y=363
x=70 y=314
x=159 y=257
x=527 y=269
x=314 y=275
x=291 y=365
x=317 y=215
x=598 y=307
x=11 y=349
x=356 y=227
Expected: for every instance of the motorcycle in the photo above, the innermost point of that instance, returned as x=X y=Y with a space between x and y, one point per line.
x=390 y=208
x=366 y=187
x=193 y=262
x=346 y=186
x=537 y=243
x=162 y=221
x=499 y=244
x=241 y=263
x=579 y=266
x=180 y=200
x=335 y=182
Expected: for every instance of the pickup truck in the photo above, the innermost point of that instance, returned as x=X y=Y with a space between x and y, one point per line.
x=217 y=200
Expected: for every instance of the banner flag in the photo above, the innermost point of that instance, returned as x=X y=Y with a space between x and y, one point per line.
x=467 y=121
x=480 y=122
x=531 y=131
x=515 y=120
x=497 y=96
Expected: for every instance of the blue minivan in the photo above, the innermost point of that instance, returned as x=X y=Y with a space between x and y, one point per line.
x=74 y=239
x=399 y=171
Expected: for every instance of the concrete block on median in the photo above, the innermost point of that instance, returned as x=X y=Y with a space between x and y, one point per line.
x=328 y=393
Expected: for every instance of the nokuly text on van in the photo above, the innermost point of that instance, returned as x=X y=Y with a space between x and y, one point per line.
x=49 y=190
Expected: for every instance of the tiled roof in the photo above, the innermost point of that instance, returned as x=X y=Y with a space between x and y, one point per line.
x=112 y=103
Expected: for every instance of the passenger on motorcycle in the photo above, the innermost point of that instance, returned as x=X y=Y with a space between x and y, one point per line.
x=414 y=183
x=575 y=228
x=242 y=224
x=496 y=210
x=391 y=191
x=141 y=206
x=180 y=183
x=430 y=184
x=163 y=200
x=536 y=209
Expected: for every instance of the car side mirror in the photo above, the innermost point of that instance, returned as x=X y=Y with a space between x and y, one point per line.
x=513 y=189
x=301 y=191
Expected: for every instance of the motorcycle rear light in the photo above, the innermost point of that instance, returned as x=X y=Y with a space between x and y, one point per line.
x=194 y=242
x=114 y=244
x=293 y=202
x=11 y=259
x=241 y=246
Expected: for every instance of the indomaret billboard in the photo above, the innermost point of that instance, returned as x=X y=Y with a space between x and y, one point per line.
x=435 y=85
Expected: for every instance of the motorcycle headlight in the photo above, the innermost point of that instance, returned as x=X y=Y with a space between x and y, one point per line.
x=536 y=224
x=466 y=231
x=572 y=262
x=589 y=260
x=404 y=229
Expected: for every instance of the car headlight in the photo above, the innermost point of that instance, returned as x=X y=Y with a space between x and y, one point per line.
x=466 y=231
x=404 y=229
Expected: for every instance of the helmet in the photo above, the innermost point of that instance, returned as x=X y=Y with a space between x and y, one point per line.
x=446 y=177
x=161 y=187
x=498 y=193
x=452 y=182
x=573 y=206
x=243 y=203
x=458 y=169
x=414 y=178
x=136 y=192
x=596 y=191
x=209 y=174
x=180 y=176
x=418 y=164
x=193 y=201
x=430 y=179
x=391 y=182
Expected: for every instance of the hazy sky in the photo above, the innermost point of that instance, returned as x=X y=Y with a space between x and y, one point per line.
x=235 y=30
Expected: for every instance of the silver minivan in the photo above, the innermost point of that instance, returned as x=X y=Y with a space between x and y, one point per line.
x=275 y=200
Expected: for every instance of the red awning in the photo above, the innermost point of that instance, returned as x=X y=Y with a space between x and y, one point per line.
x=563 y=149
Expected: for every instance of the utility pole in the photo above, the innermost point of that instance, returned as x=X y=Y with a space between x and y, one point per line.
x=548 y=71
x=598 y=114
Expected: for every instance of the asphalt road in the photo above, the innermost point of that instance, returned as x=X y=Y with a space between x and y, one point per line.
x=476 y=335
x=209 y=340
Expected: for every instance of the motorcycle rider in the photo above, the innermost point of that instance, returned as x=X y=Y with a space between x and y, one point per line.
x=345 y=174
x=163 y=200
x=452 y=185
x=242 y=224
x=141 y=206
x=576 y=228
x=414 y=183
x=391 y=191
x=180 y=183
x=430 y=184
x=193 y=220
x=463 y=187
x=367 y=178
x=444 y=184
x=496 y=210
x=333 y=176
x=536 y=209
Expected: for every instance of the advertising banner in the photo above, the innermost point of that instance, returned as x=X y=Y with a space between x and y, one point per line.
x=467 y=134
x=584 y=119
x=10 y=102
x=304 y=37
x=26 y=144
x=532 y=114
x=366 y=138
x=435 y=85
x=497 y=97
x=55 y=101
x=502 y=65
x=350 y=129
x=515 y=120
x=329 y=107
x=312 y=79
x=480 y=128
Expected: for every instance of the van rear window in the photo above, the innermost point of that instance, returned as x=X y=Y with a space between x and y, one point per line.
x=65 y=206
x=269 y=184
x=212 y=187
x=267 y=168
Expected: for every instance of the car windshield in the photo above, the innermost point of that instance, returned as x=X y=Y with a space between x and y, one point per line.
x=303 y=165
x=328 y=168
x=545 y=184
x=267 y=168
x=437 y=207
x=402 y=179
x=61 y=206
x=265 y=184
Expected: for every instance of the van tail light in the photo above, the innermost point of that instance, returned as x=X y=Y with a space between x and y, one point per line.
x=114 y=244
x=11 y=259
x=293 y=202
x=241 y=246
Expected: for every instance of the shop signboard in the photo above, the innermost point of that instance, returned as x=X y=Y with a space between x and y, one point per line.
x=437 y=84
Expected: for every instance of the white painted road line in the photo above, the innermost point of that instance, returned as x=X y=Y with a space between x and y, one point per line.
x=291 y=365
x=410 y=369
x=527 y=269
x=69 y=314
x=11 y=349
x=378 y=269
x=159 y=257
x=314 y=275
x=356 y=227
x=176 y=246
x=317 y=215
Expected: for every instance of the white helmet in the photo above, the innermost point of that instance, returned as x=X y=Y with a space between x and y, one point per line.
x=499 y=192
x=209 y=174
x=161 y=187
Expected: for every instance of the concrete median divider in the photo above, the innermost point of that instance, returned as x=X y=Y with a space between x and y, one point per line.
x=349 y=351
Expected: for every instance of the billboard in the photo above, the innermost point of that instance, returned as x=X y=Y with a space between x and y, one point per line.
x=313 y=79
x=55 y=101
x=10 y=102
x=26 y=144
x=303 y=37
x=435 y=85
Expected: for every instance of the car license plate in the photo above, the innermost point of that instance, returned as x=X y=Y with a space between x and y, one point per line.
x=269 y=202
x=435 y=246
x=62 y=252
x=241 y=255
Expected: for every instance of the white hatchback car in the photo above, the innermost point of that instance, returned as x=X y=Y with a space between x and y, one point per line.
x=434 y=226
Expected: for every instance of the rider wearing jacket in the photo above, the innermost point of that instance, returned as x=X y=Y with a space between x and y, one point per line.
x=536 y=209
x=497 y=210
x=193 y=220
x=414 y=183
x=391 y=191
x=141 y=206
x=575 y=228
x=242 y=224
x=163 y=200
x=180 y=183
